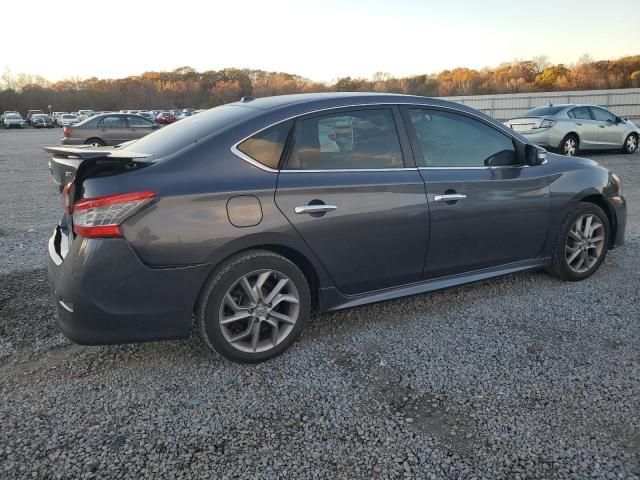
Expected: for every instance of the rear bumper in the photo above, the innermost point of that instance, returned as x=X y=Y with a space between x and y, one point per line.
x=545 y=137
x=72 y=141
x=105 y=295
x=619 y=206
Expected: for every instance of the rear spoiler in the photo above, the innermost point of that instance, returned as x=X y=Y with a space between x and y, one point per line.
x=91 y=153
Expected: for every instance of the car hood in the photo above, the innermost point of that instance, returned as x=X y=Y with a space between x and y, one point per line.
x=565 y=160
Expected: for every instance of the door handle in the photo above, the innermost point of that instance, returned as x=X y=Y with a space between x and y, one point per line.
x=578 y=124
x=315 y=208
x=449 y=197
x=601 y=126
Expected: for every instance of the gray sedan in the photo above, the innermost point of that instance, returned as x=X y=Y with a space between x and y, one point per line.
x=575 y=127
x=108 y=129
x=246 y=218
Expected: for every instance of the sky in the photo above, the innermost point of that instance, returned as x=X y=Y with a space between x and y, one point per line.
x=320 y=40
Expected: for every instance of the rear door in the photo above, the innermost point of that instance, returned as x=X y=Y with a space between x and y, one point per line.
x=351 y=190
x=139 y=127
x=486 y=209
x=610 y=133
x=113 y=129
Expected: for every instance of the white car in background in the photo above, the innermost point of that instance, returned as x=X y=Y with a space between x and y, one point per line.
x=68 y=119
x=55 y=116
x=84 y=114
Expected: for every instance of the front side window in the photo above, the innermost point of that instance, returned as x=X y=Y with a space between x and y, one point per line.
x=602 y=115
x=111 y=122
x=138 y=122
x=451 y=140
x=579 y=113
x=266 y=146
x=359 y=139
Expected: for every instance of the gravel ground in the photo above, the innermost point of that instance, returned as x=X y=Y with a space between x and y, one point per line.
x=520 y=377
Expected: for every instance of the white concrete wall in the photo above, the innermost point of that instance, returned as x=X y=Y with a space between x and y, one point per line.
x=623 y=102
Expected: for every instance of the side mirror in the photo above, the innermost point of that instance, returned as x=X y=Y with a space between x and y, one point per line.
x=504 y=158
x=535 y=155
x=618 y=120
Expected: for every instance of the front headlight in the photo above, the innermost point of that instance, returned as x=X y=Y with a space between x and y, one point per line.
x=615 y=179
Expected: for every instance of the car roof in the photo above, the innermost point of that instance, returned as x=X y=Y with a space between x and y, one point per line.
x=335 y=99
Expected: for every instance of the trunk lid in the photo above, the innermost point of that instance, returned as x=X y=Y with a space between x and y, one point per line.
x=524 y=124
x=70 y=166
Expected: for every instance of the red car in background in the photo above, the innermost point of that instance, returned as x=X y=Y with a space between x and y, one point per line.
x=165 y=118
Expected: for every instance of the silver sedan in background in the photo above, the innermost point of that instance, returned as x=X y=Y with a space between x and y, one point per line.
x=572 y=127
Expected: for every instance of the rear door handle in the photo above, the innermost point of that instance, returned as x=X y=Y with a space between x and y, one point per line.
x=315 y=208
x=449 y=197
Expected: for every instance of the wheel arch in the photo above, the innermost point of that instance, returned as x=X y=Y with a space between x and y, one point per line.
x=599 y=200
x=570 y=132
x=307 y=267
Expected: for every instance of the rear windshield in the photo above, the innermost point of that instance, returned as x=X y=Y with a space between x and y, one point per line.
x=543 y=111
x=68 y=116
x=191 y=130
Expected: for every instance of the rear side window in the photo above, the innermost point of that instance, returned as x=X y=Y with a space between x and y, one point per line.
x=451 y=140
x=111 y=122
x=266 y=146
x=580 y=113
x=602 y=115
x=363 y=139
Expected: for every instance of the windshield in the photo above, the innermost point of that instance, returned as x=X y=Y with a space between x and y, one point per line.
x=12 y=115
x=68 y=117
x=543 y=111
x=191 y=130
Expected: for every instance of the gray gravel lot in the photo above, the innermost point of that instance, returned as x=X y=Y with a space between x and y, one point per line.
x=515 y=378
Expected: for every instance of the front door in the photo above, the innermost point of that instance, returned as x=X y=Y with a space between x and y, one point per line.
x=349 y=194
x=610 y=133
x=139 y=127
x=485 y=208
x=113 y=129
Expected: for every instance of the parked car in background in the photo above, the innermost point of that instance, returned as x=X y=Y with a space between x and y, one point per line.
x=13 y=120
x=32 y=112
x=184 y=115
x=8 y=111
x=571 y=128
x=55 y=117
x=148 y=115
x=108 y=129
x=41 y=120
x=67 y=119
x=83 y=114
x=240 y=217
x=165 y=118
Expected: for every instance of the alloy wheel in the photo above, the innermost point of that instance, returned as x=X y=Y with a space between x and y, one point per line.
x=570 y=147
x=632 y=143
x=259 y=311
x=585 y=243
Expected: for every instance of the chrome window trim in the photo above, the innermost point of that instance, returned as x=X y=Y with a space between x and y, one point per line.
x=236 y=151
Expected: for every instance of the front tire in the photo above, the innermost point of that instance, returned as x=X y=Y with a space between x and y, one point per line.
x=254 y=307
x=570 y=145
x=581 y=243
x=630 y=144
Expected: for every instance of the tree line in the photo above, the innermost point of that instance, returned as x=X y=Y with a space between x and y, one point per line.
x=186 y=87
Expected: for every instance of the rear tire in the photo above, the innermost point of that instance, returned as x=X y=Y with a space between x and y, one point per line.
x=570 y=145
x=95 y=142
x=253 y=307
x=581 y=244
x=630 y=144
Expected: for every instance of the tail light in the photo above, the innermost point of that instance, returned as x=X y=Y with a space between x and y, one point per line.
x=66 y=198
x=102 y=216
x=546 y=123
x=67 y=131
